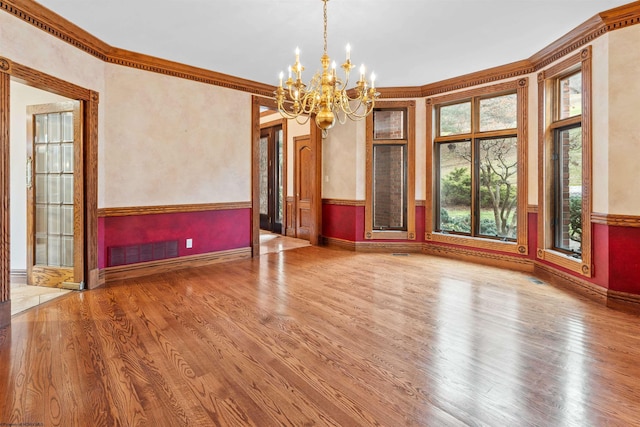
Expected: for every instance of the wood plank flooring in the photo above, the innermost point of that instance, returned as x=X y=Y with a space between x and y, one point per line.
x=319 y=336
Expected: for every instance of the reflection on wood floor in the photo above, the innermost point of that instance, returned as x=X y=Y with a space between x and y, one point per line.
x=319 y=336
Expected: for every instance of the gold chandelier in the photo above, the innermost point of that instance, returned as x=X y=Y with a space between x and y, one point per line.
x=326 y=96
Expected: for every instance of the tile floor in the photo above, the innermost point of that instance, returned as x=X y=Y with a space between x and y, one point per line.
x=272 y=243
x=24 y=297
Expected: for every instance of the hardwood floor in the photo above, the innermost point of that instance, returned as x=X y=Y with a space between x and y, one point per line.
x=319 y=336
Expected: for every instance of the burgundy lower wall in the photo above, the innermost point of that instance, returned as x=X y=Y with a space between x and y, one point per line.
x=343 y=222
x=600 y=254
x=347 y=223
x=211 y=231
x=624 y=259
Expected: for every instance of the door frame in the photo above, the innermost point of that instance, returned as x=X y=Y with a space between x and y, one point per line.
x=316 y=141
x=89 y=99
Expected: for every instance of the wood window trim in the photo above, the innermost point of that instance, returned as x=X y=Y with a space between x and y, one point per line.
x=521 y=245
x=410 y=233
x=546 y=109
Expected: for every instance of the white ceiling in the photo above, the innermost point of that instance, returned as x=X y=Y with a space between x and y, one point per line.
x=406 y=42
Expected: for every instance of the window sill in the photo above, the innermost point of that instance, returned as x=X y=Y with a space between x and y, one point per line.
x=565 y=261
x=477 y=242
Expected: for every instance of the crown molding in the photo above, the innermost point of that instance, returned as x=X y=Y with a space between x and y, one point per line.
x=503 y=72
x=600 y=24
x=54 y=24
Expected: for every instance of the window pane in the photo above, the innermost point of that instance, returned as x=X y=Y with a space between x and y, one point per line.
x=454 y=161
x=455 y=119
x=388 y=124
x=500 y=112
x=67 y=127
x=389 y=183
x=498 y=200
x=568 y=187
x=570 y=96
x=54 y=127
x=41 y=128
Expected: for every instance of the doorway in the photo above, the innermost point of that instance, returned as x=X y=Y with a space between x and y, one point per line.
x=272 y=179
x=292 y=129
x=15 y=77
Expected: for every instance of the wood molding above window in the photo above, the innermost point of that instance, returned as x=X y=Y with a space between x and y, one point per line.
x=548 y=124
x=520 y=245
x=407 y=140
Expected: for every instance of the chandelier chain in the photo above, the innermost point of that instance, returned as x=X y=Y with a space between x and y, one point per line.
x=325 y=25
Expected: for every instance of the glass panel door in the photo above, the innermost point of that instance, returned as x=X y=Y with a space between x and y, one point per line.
x=54 y=223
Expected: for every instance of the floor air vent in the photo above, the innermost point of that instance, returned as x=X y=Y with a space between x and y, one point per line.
x=122 y=255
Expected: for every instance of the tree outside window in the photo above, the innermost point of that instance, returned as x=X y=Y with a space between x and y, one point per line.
x=477 y=164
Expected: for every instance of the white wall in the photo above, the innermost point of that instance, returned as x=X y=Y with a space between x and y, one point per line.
x=27 y=45
x=624 y=122
x=174 y=141
x=21 y=97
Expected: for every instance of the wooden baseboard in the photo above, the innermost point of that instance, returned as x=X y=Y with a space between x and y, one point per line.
x=389 y=247
x=339 y=243
x=5 y=314
x=290 y=232
x=623 y=301
x=111 y=274
x=381 y=247
x=18 y=274
x=569 y=282
x=485 y=258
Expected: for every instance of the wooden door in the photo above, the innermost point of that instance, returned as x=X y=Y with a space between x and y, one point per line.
x=271 y=179
x=55 y=202
x=304 y=183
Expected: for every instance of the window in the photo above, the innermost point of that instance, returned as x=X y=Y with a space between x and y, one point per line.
x=564 y=224
x=478 y=167
x=390 y=203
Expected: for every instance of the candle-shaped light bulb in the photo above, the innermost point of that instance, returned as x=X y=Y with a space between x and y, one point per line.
x=281 y=76
x=297 y=54
x=348 y=51
x=362 y=72
x=373 y=81
x=289 y=71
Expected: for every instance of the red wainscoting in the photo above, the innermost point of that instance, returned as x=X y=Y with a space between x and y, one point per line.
x=600 y=254
x=343 y=222
x=624 y=259
x=346 y=222
x=211 y=231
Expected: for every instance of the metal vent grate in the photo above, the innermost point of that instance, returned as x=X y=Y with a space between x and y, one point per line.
x=122 y=255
